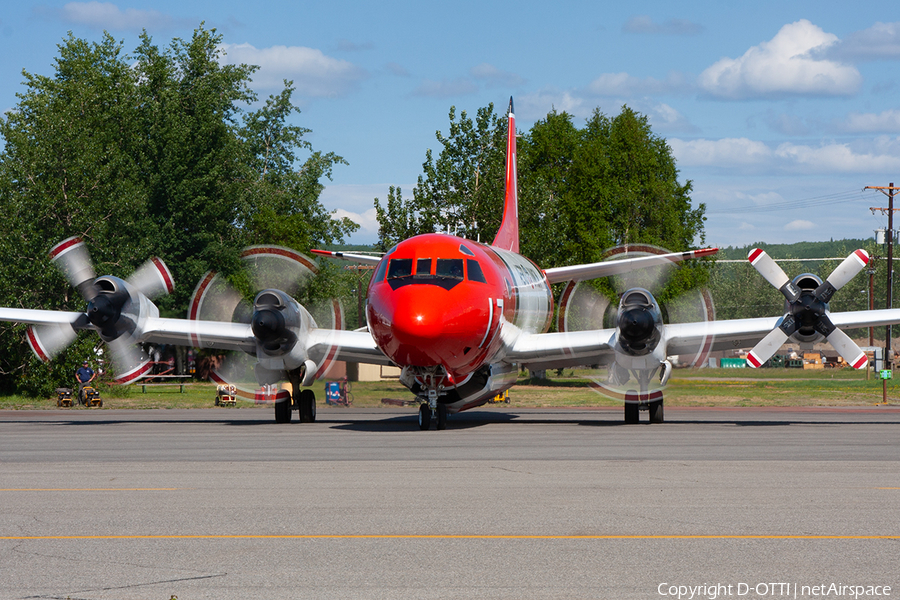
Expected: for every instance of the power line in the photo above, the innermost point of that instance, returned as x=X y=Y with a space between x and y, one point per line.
x=814 y=201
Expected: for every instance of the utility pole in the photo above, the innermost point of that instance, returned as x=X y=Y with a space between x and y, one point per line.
x=889 y=192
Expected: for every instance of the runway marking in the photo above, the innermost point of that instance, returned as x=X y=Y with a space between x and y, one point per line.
x=90 y=489
x=446 y=537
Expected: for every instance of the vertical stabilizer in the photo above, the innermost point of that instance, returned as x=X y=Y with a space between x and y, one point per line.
x=508 y=235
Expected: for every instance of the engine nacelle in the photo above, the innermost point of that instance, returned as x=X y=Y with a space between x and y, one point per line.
x=281 y=327
x=119 y=309
x=638 y=323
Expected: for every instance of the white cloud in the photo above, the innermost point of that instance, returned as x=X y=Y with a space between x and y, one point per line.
x=494 y=77
x=887 y=121
x=314 y=74
x=834 y=158
x=623 y=84
x=446 y=88
x=536 y=105
x=728 y=152
x=357 y=202
x=783 y=66
x=879 y=42
x=105 y=15
x=799 y=225
x=645 y=24
x=367 y=221
x=751 y=155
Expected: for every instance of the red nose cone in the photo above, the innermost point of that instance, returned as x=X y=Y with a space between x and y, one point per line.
x=416 y=319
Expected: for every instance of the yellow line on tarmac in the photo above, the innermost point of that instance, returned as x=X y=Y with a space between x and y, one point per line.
x=447 y=537
x=89 y=489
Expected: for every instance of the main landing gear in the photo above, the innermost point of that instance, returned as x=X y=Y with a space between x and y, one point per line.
x=304 y=403
x=634 y=404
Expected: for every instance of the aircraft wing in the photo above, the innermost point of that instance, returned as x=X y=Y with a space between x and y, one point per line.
x=40 y=317
x=200 y=334
x=558 y=350
x=354 y=346
x=364 y=259
x=617 y=267
x=745 y=333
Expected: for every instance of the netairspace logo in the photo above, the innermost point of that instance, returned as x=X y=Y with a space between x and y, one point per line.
x=714 y=591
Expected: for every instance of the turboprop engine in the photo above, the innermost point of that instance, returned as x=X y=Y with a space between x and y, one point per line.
x=117 y=309
x=278 y=323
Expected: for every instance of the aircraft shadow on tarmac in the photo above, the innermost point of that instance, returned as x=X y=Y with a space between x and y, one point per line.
x=462 y=421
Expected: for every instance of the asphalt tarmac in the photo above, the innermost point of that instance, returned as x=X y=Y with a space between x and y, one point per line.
x=224 y=503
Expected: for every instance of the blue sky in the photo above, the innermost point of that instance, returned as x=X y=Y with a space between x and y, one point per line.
x=780 y=113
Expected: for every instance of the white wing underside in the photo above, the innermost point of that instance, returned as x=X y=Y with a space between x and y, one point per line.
x=542 y=350
x=558 y=350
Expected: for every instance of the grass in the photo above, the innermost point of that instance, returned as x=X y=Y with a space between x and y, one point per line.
x=687 y=387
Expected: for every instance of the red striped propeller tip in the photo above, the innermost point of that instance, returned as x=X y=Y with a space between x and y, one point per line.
x=64 y=246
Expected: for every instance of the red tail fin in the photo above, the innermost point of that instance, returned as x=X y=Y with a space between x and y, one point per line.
x=508 y=235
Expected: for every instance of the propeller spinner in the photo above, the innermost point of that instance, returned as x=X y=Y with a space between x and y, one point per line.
x=806 y=308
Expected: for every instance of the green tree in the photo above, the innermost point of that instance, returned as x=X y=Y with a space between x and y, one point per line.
x=581 y=192
x=460 y=191
x=546 y=155
x=143 y=155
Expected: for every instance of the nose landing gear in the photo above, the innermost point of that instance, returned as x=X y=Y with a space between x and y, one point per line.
x=431 y=411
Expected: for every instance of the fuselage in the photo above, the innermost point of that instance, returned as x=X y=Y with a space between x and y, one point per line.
x=440 y=301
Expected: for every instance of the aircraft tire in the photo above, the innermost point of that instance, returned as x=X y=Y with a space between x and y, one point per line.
x=656 y=412
x=307 y=406
x=632 y=413
x=424 y=417
x=282 y=412
x=441 y=417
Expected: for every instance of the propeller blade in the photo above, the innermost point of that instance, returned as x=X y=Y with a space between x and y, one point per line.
x=766 y=347
x=128 y=359
x=844 y=272
x=47 y=341
x=153 y=278
x=774 y=274
x=847 y=348
x=73 y=259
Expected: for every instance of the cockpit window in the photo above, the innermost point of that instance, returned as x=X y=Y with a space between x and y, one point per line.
x=464 y=250
x=448 y=272
x=379 y=272
x=449 y=267
x=400 y=267
x=423 y=266
x=475 y=272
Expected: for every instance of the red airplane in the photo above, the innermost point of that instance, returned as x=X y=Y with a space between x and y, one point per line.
x=460 y=318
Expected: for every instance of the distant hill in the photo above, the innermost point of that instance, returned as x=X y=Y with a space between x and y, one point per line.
x=829 y=249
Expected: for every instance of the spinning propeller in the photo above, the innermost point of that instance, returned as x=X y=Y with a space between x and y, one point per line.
x=806 y=308
x=280 y=325
x=639 y=322
x=117 y=309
